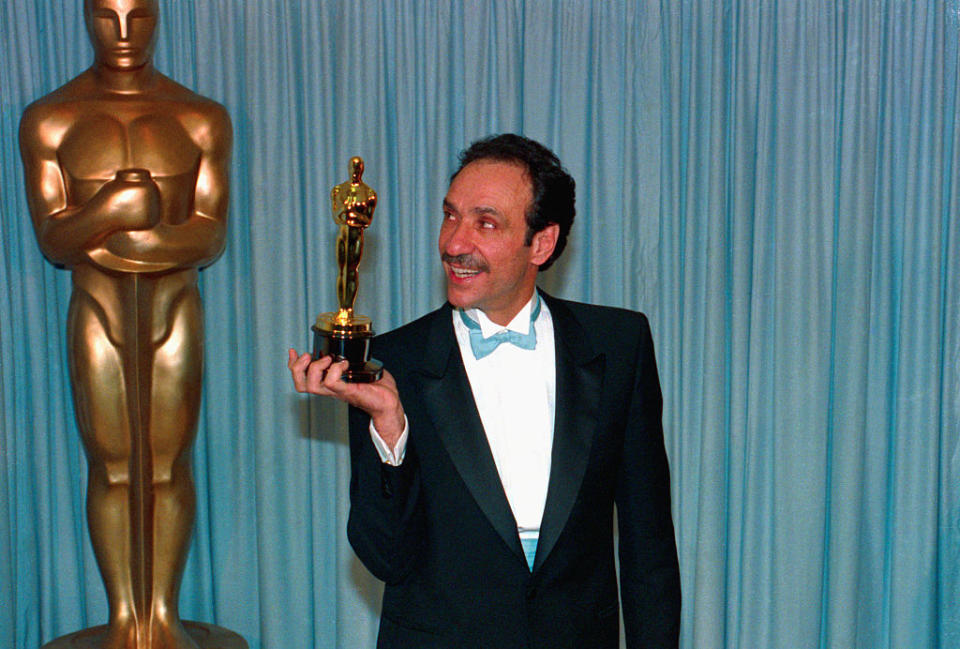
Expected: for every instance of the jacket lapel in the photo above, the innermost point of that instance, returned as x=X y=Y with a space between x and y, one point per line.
x=453 y=411
x=579 y=375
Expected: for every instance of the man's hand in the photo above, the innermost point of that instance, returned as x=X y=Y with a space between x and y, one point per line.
x=380 y=400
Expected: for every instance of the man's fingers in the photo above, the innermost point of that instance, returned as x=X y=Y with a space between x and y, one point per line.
x=298 y=369
x=309 y=375
x=315 y=373
x=331 y=379
x=292 y=358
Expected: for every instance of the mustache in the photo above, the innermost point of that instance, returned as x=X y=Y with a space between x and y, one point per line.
x=470 y=262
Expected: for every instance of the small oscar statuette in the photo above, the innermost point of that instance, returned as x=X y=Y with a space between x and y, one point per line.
x=343 y=333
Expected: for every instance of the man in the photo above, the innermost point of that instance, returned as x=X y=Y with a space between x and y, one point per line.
x=484 y=475
x=126 y=176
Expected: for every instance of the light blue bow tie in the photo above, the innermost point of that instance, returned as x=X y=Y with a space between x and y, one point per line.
x=484 y=346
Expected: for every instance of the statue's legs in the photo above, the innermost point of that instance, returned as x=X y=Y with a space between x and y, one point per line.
x=349 y=251
x=137 y=396
x=175 y=385
x=100 y=398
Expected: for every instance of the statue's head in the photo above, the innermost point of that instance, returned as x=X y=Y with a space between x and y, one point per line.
x=123 y=32
x=356 y=168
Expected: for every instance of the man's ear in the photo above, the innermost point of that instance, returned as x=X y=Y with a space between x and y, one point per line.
x=543 y=244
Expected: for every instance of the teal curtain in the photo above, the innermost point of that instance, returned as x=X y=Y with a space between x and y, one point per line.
x=774 y=183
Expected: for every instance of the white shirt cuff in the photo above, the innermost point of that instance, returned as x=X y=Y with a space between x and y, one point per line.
x=392 y=457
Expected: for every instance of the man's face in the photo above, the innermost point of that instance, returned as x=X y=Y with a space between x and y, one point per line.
x=482 y=239
x=122 y=31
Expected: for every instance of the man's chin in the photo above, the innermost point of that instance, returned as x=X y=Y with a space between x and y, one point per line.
x=458 y=300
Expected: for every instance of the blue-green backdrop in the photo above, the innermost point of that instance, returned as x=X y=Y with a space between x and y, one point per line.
x=774 y=183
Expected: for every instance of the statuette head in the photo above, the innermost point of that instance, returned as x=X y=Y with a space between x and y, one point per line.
x=356 y=169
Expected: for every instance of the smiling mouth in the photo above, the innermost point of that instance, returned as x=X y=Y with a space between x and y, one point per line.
x=464 y=266
x=463 y=273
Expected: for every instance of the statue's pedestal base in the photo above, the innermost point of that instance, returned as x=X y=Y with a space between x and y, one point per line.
x=207 y=636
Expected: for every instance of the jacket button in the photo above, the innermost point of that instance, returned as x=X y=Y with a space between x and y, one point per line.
x=531 y=592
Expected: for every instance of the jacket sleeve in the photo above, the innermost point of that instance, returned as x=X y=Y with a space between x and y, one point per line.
x=649 y=570
x=385 y=526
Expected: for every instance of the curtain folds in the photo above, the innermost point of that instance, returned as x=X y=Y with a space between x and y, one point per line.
x=774 y=183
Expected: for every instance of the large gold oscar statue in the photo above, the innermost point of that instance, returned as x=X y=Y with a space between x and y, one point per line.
x=126 y=175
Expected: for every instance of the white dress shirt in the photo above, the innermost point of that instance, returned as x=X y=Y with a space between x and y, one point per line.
x=515 y=393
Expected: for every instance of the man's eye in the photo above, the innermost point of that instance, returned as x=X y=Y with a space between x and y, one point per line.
x=488 y=225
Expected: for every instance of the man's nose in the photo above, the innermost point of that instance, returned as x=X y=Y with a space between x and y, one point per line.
x=457 y=240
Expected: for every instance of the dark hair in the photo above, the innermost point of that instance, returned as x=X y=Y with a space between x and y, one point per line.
x=554 y=190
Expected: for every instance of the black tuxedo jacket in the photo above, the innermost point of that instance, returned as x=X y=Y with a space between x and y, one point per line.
x=439 y=531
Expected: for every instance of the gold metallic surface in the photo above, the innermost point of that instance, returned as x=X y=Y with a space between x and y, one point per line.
x=126 y=175
x=333 y=323
x=353 y=203
x=206 y=636
x=344 y=334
